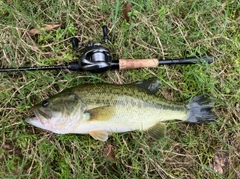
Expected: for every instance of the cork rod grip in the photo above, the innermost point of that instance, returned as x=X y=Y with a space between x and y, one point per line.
x=125 y=64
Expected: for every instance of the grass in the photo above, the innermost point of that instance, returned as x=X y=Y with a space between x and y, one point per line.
x=164 y=29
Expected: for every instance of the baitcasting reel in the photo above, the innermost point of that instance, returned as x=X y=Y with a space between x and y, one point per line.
x=94 y=57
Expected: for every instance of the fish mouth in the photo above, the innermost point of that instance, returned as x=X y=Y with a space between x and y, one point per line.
x=40 y=116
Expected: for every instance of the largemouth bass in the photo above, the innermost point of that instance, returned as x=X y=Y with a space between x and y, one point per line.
x=102 y=109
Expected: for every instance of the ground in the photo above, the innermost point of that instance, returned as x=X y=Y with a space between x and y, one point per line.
x=155 y=29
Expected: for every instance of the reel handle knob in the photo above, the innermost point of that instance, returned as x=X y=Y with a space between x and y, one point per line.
x=105 y=34
x=75 y=43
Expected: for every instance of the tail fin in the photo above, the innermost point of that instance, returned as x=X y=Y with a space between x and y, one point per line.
x=200 y=110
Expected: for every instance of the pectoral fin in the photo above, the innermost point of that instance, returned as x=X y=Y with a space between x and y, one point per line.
x=157 y=131
x=100 y=113
x=99 y=135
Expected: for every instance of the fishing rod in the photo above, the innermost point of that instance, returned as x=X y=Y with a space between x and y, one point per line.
x=96 y=58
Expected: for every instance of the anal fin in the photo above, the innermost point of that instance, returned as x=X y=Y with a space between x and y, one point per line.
x=100 y=135
x=157 y=131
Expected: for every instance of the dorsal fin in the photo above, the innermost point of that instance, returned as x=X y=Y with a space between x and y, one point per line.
x=152 y=85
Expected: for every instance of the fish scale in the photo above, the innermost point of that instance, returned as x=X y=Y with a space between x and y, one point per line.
x=128 y=103
x=108 y=92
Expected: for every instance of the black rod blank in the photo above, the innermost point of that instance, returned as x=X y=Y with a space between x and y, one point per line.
x=34 y=68
x=74 y=66
x=182 y=61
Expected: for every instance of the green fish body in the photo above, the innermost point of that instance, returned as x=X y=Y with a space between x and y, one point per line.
x=102 y=109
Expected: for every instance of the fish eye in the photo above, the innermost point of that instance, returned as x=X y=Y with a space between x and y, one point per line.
x=45 y=103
